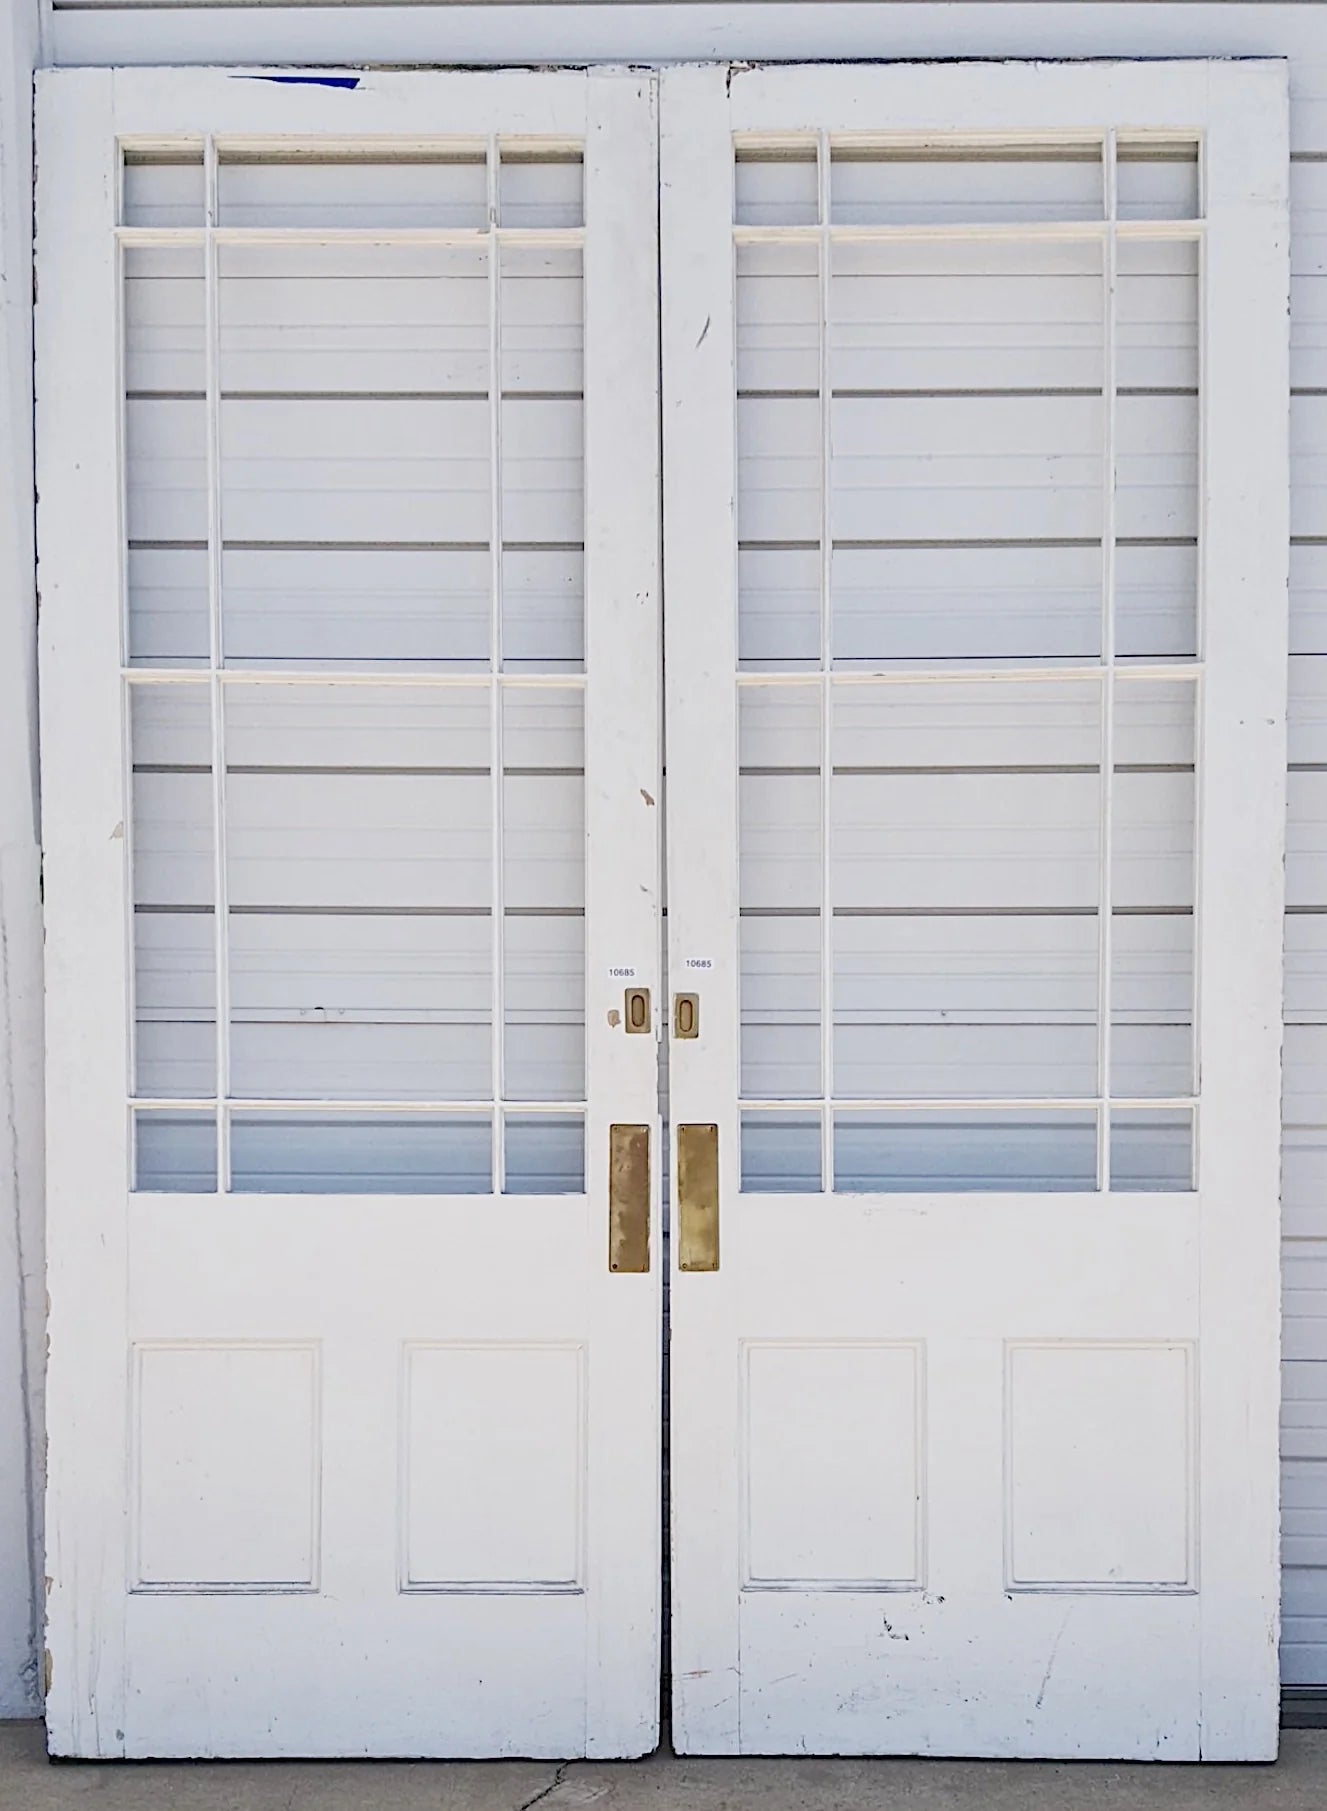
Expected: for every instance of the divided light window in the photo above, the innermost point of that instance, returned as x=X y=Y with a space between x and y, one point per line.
x=354 y=651
x=969 y=411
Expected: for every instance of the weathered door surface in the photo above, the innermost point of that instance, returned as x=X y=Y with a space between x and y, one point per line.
x=975 y=521
x=975 y=440
x=349 y=548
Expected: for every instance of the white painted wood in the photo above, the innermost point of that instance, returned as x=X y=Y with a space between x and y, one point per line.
x=400 y=1440
x=623 y=899
x=489 y=33
x=1042 y=1564
x=1239 y=1039
x=83 y=832
x=700 y=655
x=22 y=1455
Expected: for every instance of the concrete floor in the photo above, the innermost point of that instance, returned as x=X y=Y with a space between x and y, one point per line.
x=28 y=1782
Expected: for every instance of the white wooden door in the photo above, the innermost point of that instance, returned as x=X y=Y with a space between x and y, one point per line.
x=975 y=442
x=349 y=530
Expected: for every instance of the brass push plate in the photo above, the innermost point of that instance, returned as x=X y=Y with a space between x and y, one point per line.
x=629 y=1199
x=686 y=1015
x=698 y=1197
x=636 y=1009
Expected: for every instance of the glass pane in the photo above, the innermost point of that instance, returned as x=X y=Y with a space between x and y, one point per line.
x=965 y=889
x=542 y=339
x=327 y=470
x=1151 y=1151
x=341 y=187
x=166 y=471
x=306 y=320
x=1017 y=1149
x=542 y=318
x=1156 y=178
x=543 y=800
x=358 y=796
x=356 y=607
x=963 y=1007
x=543 y=609
x=544 y=1006
x=355 y=432
x=1018 y=467
x=777 y=185
x=961 y=373
x=780 y=889
x=370 y=1154
x=1152 y=979
x=540 y=188
x=778 y=606
x=164 y=188
x=963 y=798
x=164 y=364
x=781 y=1153
x=1156 y=560
x=965 y=182
x=1025 y=603
x=543 y=441
x=545 y=1155
x=360 y=875
x=349 y=1005
x=175 y=1153
x=1156 y=466
x=778 y=317
x=938 y=315
x=780 y=1006
x=778 y=469
x=1156 y=314
x=171 y=836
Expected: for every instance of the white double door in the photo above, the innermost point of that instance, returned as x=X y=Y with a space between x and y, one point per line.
x=973 y=481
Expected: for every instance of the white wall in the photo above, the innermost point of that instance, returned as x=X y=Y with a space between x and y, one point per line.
x=20 y=914
x=452 y=31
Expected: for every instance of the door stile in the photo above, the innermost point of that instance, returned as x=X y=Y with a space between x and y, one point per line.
x=84 y=820
x=701 y=713
x=622 y=803
x=1243 y=623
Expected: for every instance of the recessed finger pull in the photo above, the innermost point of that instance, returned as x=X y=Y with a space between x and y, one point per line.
x=686 y=1015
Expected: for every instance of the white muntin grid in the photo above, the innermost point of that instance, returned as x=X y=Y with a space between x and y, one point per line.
x=216 y=678
x=1108 y=230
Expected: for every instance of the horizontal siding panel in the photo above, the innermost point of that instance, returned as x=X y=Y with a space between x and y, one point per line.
x=1304 y=1272
x=1304 y=1513
x=1304 y=1408
x=443 y=32
x=1305 y=1076
x=1308 y=467
x=1304 y=1186
x=1308 y=600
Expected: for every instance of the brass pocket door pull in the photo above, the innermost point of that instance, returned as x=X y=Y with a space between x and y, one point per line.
x=698 y=1197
